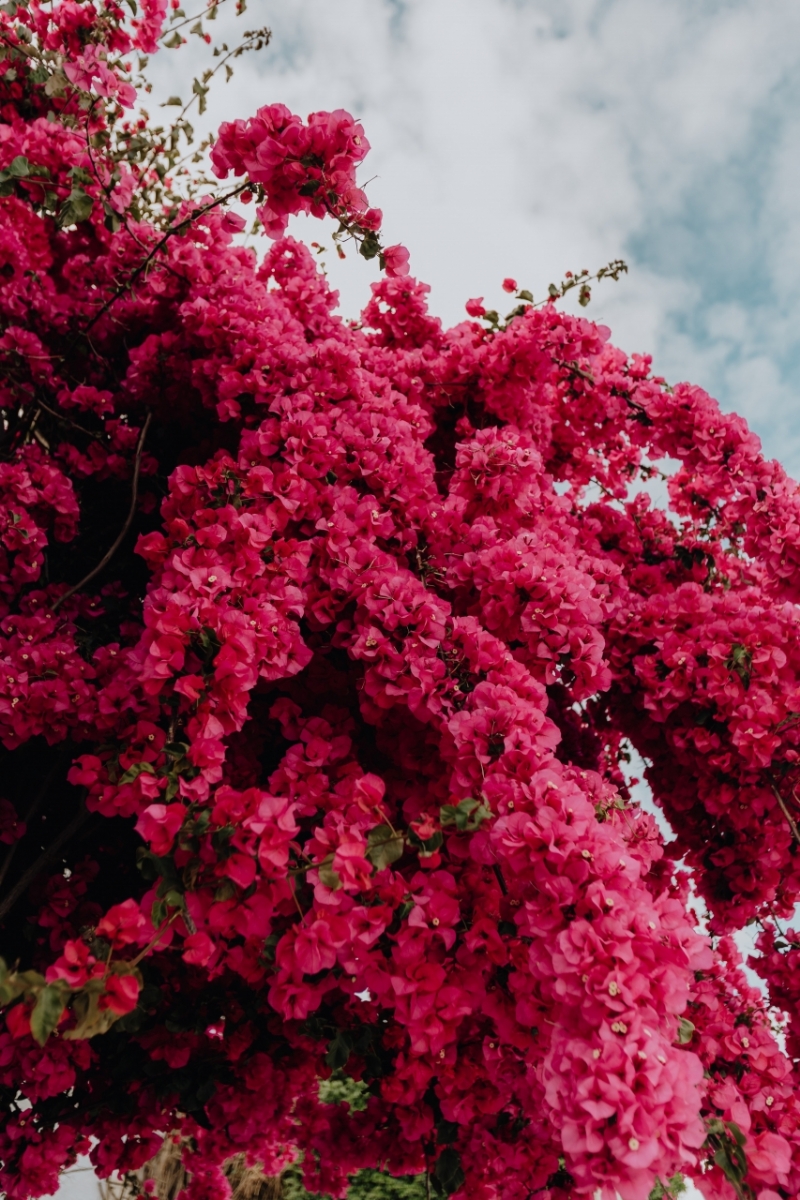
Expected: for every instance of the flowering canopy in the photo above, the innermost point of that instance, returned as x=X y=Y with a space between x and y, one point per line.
x=326 y=776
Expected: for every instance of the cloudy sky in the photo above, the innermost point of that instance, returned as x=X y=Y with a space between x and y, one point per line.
x=531 y=137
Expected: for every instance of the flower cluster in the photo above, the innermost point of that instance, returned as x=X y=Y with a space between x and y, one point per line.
x=323 y=650
x=306 y=167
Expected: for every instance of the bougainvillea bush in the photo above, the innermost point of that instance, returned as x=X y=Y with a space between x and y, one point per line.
x=323 y=647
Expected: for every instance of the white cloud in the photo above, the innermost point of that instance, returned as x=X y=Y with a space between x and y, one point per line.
x=528 y=138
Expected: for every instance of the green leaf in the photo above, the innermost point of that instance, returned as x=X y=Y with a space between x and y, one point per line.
x=136 y=770
x=10 y=987
x=112 y=221
x=448 y=1172
x=57 y=84
x=384 y=846
x=339 y=1049
x=90 y=1018
x=585 y=295
x=446 y=1131
x=685 y=1031
x=328 y=876
x=47 y=1011
x=173 y=41
x=76 y=208
x=432 y=844
x=19 y=167
x=740 y=660
x=672 y=1188
x=197 y=28
x=467 y=815
x=175 y=101
x=200 y=90
x=726 y=1142
x=524 y=294
x=370 y=246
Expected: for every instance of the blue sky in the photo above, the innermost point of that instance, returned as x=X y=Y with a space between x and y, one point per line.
x=529 y=137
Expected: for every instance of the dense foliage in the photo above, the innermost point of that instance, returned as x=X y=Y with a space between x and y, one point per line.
x=323 y=647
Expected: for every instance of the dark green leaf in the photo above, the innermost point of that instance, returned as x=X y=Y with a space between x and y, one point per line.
x=19 y=167
x=76 y=208
x=426 y=846
x=370 y=246
x=384 y=846
x=448 y=1171
x=339 y=1049
x=47 y=1012
x=446 y=1131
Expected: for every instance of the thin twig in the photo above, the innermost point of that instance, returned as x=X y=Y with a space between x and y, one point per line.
x=67 y=420
x=195 y=216
x=198 y=16
x=109 y=554
x=33 y=872
x=108 y=191
x=163 y=927
x=786 y=813
x=35 y=805
x=242 y=48
x=499 y=877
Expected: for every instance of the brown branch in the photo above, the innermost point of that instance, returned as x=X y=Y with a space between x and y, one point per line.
x=32 y=873
x=109 y=554
x=184 y=224
x=67 y=421
x=786 y=813
x=499 y=877
x=35 y=805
